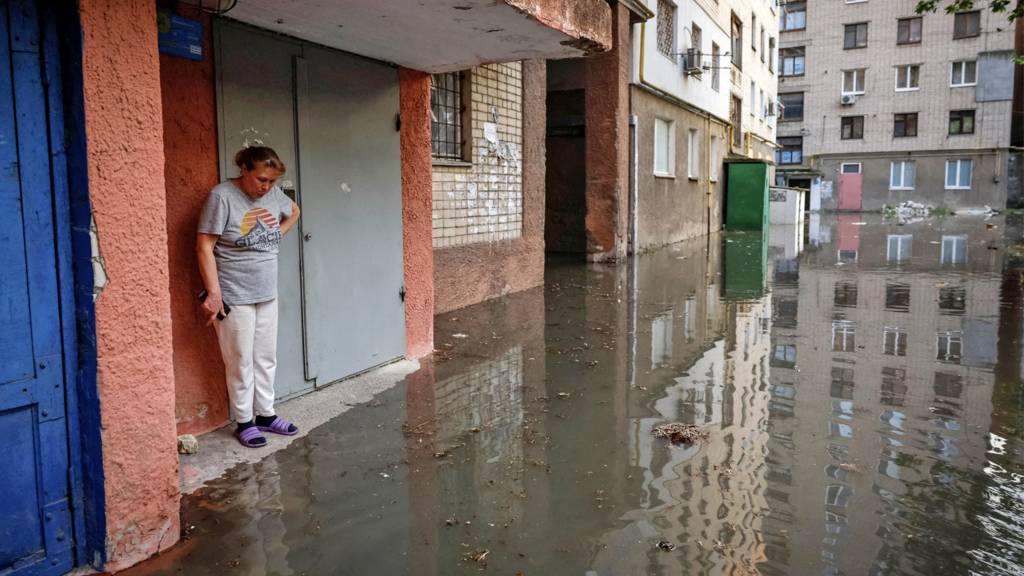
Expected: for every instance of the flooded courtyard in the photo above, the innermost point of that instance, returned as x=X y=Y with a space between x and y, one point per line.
x=858 y=381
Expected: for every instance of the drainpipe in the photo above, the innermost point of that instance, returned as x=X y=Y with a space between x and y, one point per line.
x=710 y=191
x=634 y=184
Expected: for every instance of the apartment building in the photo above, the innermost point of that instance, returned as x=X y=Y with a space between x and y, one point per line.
x=882 y=105
x=703 y=90
x=637 y=137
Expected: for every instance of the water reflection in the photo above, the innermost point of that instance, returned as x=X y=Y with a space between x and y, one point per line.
x=861 y=394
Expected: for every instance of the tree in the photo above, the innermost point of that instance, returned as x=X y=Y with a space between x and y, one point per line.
x=1013 y=9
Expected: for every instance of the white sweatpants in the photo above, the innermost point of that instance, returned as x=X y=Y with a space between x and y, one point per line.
x=248 y=344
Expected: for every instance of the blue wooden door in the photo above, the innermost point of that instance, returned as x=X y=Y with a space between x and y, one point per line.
x=35 y=516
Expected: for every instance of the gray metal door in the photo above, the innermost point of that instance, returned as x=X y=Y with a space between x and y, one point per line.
x=332 y=117
x=352 y=213
x=256 y=105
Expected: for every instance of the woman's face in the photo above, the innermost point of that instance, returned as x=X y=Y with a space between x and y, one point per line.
x=259 y=180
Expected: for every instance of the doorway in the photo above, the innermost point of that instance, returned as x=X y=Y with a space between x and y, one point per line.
x=331 y=116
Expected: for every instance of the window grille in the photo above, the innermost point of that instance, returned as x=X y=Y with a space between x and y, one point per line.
x=446 y=110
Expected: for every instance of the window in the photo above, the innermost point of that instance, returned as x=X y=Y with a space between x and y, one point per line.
x=844 y=295
x=753 y=29
x=791 y=150
x=958 y=174
x=948 y=385
x=902 y=174
x=783 y=356
x=844 y=337
x=664 y=147
x=898 y=247
x=716 y=58
x=855 y=36
x=692 y=155
x=448 y=125
x=952 y=300
x=908 y=30
x=897 y=294
x=737 y=41
x=792 y=61
x=949 y=346
x=792 y=106
x=852 y=128
x=908 y=77
x=894 y=386
x=894 y=341
x=850 y=168
x=967 y=24
x=853 y=81
x=793 y=16
x=964 y=73
x=954 y=250
x=904 y=125
x=713 y=161
x=697 y=41
x=961 y=122
x=753 y=96
x=771 y=55
x=666 y=27
x=763 y=104
x=762 y=44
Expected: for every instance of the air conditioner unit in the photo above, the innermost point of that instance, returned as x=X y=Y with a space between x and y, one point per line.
x=691 y=62
x=848 y=100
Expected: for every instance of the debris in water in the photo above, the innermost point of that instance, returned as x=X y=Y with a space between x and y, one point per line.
x=480 y=556
x=459 y=335
x=563 y=395
x=666 y=546
x=680 y=433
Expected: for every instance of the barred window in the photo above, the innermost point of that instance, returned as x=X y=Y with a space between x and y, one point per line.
x=666 y=27
x=446 y=110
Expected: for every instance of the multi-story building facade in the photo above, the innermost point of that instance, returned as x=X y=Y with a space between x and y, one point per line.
x=703 y=91
x=637 y=137
x=881 y=104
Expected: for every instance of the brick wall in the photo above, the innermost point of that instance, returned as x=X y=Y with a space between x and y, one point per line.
x=482 y=200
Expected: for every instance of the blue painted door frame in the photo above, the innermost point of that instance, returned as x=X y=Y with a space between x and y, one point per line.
x=45 y=527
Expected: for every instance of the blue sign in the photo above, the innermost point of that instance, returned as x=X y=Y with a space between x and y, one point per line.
x=179 y=36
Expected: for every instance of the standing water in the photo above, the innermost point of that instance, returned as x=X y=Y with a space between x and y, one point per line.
x=859 y=385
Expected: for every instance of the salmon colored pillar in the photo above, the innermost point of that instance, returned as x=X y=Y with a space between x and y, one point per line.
x=417 y=206
x=124 y=140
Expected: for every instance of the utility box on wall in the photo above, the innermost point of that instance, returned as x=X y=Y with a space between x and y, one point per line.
x=746 y=195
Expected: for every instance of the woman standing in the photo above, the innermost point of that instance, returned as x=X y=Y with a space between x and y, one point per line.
x=240 y=229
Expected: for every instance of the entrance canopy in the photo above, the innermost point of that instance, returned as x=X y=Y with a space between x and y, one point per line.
x=440 y=35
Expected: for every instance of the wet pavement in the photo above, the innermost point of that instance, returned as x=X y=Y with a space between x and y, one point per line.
x=859 y=381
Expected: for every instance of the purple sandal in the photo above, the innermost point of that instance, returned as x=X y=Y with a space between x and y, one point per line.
x=251 y=437
x=280 y=426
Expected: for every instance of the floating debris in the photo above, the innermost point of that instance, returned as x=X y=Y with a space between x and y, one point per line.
x=680 y=433
x=480 y=556
x=666 y=546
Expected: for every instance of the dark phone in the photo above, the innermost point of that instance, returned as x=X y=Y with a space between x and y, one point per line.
x=220 y=315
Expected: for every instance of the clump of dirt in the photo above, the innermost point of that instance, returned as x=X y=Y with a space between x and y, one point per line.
x=679 y=433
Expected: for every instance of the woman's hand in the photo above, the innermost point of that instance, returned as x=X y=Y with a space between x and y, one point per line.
x=212 y=306
x=208 y=270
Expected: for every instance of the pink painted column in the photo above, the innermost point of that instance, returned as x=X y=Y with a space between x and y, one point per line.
x=417 y=205
x=133 y=320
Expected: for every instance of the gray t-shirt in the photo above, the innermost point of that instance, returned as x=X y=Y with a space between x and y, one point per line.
x=250 y=232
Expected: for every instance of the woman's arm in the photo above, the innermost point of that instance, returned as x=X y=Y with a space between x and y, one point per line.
x=208 y=270
x=287 y=223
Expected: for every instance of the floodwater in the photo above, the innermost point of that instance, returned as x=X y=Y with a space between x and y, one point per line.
x=859 y=382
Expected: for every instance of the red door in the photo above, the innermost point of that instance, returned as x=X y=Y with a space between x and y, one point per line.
x=849 y=191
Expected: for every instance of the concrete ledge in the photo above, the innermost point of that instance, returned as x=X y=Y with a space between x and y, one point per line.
x=219 y=450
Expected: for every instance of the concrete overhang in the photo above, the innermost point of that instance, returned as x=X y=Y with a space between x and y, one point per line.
x=440 y=35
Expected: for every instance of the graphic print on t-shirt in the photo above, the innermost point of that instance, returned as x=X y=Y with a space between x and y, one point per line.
x=259 y=230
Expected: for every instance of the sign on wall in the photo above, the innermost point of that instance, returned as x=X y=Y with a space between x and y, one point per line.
x=181 y=37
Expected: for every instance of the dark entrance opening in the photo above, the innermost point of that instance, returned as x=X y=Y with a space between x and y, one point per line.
x=565 y=182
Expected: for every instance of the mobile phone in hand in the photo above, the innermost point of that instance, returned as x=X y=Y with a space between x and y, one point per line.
x=220 y=315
